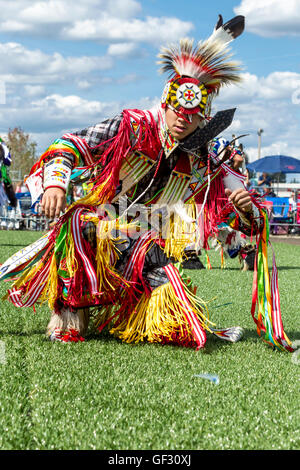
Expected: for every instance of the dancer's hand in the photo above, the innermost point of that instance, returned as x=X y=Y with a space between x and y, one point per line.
x=53 y=202
x=240 y=198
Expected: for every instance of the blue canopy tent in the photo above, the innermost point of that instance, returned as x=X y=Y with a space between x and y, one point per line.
x=276 y=164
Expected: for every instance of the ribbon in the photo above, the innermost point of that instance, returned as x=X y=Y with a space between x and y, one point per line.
x=178 y=286
x=265 y=294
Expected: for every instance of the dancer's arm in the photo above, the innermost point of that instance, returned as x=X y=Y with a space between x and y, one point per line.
x=77 y=149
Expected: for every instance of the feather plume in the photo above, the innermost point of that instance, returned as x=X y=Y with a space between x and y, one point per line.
x=228 y=31
x=209 y=62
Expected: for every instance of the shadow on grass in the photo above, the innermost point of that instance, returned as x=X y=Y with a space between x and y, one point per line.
x=214 y=343
x=214 y=268
x=104 y=336
x=253 y=334
x=279 y=268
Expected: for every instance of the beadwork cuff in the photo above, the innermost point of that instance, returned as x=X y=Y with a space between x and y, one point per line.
x=57 y=173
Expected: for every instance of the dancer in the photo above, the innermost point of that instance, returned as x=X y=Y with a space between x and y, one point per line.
x=115 y=254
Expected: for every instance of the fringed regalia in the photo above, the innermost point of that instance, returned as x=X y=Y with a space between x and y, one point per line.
x=116 y=252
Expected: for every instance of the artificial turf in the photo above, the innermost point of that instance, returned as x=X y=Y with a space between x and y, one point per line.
x=104 y=394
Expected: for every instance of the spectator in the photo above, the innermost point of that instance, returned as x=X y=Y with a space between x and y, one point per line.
x=268 y=191
x=18 y=187
x=264 y=180
x=21 y=187
x=292 y=204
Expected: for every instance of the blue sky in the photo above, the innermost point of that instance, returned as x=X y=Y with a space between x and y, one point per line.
x=67 y=66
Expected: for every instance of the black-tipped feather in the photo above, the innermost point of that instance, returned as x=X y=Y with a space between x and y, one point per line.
x=235 y=26
x=220 y=22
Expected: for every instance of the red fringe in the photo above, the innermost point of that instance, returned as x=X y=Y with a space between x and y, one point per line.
x=180 y=339
x=147 y=141
x=71 y=336
x=214 y=206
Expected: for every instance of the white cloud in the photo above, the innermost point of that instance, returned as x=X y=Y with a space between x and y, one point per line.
x=276 y=148
x=267 y=103
x=34 y=90
x=104 y=20
x=48 y=118
x=52 y=114
x=36 y=12
x=123 y=49
x=271 y=17
x=275 y=86
x=107 y=28
x=72 y=110
x=24 y=65
x=72 y=105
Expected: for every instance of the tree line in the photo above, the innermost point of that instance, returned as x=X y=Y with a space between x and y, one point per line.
x=23 y=152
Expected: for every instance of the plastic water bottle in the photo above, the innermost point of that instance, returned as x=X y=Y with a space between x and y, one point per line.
x=213 y=378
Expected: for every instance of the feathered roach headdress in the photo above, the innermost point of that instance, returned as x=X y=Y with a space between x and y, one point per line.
x=197 y=73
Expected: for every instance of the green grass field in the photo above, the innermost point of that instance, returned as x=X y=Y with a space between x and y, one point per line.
x=103 y=394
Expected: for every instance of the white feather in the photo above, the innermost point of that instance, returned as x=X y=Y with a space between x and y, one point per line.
x=221 y=35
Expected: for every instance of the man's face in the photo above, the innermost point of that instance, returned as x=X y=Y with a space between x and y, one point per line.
x=179 y=127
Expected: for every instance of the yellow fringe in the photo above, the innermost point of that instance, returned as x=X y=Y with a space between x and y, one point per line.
x=106 y=248
x=50 y=291
x=208 y=264
x=223 y=264
x=26 y=275
x=95 y=197
x=160 y=316
x=180 y=234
